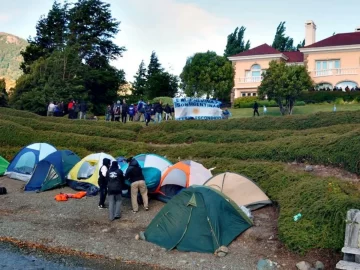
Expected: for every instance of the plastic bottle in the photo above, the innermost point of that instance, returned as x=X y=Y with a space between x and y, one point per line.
x=297 y=217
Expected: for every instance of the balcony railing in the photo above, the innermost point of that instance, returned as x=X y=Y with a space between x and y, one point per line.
x=335 y=72
x=250 y=79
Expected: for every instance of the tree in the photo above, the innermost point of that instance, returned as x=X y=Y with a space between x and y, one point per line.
x=154 y=65
x=284 y=84
x=236 y=43
x=3 y=94
x=159 y=83
x=51 y=34
x=79 y=40
x=281 y=42
x=300 y=45
x=208 y=74
x=139 y=84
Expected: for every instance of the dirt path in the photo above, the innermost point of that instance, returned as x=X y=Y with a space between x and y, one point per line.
x=78 y=225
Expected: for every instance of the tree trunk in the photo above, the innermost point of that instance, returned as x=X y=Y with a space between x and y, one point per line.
x=291 y=106
x=282 y=109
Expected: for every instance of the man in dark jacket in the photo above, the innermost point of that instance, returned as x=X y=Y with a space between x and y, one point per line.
x=115 y=178
x=83 y=110
x=136 y=178
x=167 y=112
x=124 y=112
x=148 y=113
x=102 y=182
x=158 y=111
x=256 y=108
x=131 y=112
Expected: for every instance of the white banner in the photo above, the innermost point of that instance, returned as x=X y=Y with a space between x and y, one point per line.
x=197 y=108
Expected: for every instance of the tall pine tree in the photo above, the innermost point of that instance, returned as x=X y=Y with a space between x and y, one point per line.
x=236 y=43
x=139 y=84
x=281 y=42
x=3 y=94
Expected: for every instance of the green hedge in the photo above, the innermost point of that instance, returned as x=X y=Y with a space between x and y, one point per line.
x=234 y=136
x=106 y=132
x=248 y=102
x=328 y=96
x=291 y=122
x=136 y=127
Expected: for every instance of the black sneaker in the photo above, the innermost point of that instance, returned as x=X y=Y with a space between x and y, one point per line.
x=101 y=207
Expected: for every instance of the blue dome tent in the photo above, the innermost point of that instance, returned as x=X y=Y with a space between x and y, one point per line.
x=23 y=164
x=51 y=172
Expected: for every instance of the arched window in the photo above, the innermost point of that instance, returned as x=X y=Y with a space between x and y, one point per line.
x=345 y=84
x=254 y=74
x=323 y=86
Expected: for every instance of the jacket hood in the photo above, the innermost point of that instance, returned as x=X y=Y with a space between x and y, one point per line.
x=106 y=162
x=134 y=163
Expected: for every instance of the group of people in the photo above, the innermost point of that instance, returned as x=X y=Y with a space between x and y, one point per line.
x=74 y=108
x=112 y=183
x=143 y=111
x=339 y=89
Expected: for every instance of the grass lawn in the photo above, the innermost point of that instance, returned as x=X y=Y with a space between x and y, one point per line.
x=307 y=109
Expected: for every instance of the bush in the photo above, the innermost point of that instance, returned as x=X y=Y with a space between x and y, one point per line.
x=165 y=100
x=248 y=102
x=327 y=96
x=339 y=101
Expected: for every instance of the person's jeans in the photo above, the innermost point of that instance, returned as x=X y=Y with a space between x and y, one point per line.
x=135 y=187
x=103 y=193
x=82 y=115
x=158 y=117
x=114 y=206
x=108 y=117
x=168 y=116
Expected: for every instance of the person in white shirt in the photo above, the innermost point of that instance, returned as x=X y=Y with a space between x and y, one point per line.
x=51 y=109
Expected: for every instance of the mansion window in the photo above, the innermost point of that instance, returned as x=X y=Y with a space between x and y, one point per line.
x=328 y=64
x=254 y=74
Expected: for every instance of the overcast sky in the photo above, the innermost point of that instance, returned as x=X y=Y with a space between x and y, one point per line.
x=176 y=29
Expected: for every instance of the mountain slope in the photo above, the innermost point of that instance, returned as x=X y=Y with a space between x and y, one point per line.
x=10 y=58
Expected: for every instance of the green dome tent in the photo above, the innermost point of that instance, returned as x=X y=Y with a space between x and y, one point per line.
x=3 y=165
x=198 y=219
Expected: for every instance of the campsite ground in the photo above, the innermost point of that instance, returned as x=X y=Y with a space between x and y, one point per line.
x=77 y=227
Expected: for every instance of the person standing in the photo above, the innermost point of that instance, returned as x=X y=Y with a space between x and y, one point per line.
x=108 y=113
x=117 y=111
x=76 y=109
x=83 y=110
x=51 y=109
x=158 y=111
x=124 y=112
x=61 y=108
x=147 y=114
x=167 y=112
x=115 y=178
x=256 y=108
x=136 y=178
x=131 y=112
x=71 y=109
x=265 y=110
x=102 y=182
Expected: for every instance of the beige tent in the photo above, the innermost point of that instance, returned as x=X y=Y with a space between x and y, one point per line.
x=240 y=189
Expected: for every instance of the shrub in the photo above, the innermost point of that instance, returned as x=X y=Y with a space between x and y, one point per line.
x=327 y=96
x=339 y=101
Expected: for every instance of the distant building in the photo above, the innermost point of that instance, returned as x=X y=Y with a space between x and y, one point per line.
x=332 y=62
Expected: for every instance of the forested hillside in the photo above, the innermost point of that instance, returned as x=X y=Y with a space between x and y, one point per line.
x=10 y=58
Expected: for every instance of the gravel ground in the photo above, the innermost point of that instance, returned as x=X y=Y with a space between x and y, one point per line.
x=78 y=225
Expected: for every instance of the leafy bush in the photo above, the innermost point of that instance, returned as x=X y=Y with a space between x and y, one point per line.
x=165 y=100
x=339 y=101
x=327 y=96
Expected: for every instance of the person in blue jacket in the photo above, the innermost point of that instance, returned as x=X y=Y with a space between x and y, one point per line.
x=131 y=112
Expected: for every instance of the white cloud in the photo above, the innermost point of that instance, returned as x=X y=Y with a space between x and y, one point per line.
x=174 y=30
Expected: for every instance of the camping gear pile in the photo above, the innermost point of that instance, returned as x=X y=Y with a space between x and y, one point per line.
x=204 y=213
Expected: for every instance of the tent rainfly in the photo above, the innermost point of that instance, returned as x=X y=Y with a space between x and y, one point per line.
x=3 y=165
x=240 y=189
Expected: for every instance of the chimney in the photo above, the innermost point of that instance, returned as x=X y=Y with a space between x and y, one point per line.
x=357 y=29
x=310 y=33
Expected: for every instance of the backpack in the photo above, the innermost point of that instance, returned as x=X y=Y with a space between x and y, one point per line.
x=3 y=191
x=117 y=110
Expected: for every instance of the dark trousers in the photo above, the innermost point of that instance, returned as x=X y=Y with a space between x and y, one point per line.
x=123 y=118
x=103 y=193
x=131 y=118
x=256 y=111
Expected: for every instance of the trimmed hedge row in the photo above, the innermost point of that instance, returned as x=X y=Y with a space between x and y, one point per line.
x=328 y=96
x=329 y=149
x=292 y=122
x=105 y=132
x=136 y=127
x=231 y=136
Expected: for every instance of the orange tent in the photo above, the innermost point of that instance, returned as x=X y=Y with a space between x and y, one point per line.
x=181 y=175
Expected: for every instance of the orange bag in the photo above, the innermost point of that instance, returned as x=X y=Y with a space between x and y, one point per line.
x=61 y=197
x=78 y=195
